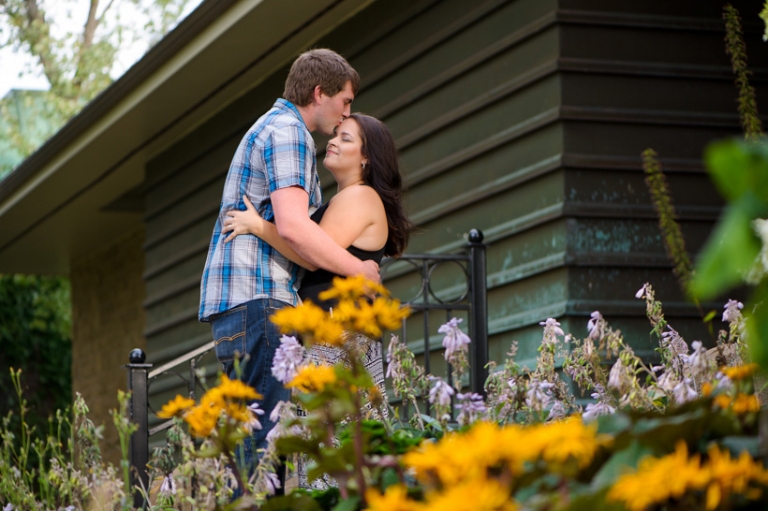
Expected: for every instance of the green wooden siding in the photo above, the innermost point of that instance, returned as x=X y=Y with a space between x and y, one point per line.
x=523 y=118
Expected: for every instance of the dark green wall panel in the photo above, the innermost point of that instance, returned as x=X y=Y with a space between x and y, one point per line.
x=523 y=118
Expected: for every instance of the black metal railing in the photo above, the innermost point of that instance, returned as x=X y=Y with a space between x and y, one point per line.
x=469 y=298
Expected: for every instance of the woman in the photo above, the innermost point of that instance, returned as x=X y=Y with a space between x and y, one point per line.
x=368 y=220
x=366 y=216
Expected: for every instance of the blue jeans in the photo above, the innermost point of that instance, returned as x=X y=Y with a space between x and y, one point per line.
x=246 y=329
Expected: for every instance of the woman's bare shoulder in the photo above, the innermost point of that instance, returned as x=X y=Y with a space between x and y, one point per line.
x=355 y=196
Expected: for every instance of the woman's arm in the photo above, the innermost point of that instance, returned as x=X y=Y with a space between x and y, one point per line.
x=354 y=216
x=250 y=222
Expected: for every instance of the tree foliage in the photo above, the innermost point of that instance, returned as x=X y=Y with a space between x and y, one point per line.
x=35 y=323
x=77 y=65
x=35 y=316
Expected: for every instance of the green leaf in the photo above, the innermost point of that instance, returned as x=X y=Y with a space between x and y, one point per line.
x=613 y=424
x=292 y=444
x=292 y=502
x=432 y=422
x=209 y=452
x=388 y=478
x=593 y=502
x=619 y=463
x=757 y=325
x=739 y=444
x=738 y=167
x=729 y=252
x=349 y=504
x=663 y=432
x=326 y=498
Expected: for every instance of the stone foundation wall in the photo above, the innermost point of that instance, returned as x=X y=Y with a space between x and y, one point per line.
x=108 y=321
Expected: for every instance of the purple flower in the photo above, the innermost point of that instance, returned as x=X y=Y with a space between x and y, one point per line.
x=698 y=362
x=674 y=342
x=538 y=395
x=394 y=370
x=272 y=482
x=288 y=358
x=641 y=292
x=620 y=377
x=455 y=339
x=557 y=411
x=594 y=325
x=471 y=406
x=254 y=423
x=732 y=310
x=597 y=409
x=551 y=331
x=441 y=393
x=169 y=485
x=683 y=391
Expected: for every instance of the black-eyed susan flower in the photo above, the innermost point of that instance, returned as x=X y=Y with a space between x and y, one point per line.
x=202 y=419
x=352 y=288
x=395 y=498
x=236 y=390
x=739 y=404
x=735 y=373
x=313 y=378
x=727 y=476
x=659 y=479
x=176 y=407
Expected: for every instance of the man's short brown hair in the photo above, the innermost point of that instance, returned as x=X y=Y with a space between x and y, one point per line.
x=322 y=67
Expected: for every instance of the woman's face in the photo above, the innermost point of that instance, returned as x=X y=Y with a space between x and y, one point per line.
x=344 y=151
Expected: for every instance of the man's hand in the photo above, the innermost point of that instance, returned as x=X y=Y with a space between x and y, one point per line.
x=371 y=271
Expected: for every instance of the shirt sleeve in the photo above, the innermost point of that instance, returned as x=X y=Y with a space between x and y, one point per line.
x=289 y=158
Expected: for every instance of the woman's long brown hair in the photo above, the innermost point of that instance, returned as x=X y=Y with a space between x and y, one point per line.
x=382 y=173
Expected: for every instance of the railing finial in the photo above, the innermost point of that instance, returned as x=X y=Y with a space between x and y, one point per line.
x=475 y=236
x=137 y=356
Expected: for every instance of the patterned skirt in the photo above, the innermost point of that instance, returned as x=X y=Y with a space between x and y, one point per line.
x=370 y=353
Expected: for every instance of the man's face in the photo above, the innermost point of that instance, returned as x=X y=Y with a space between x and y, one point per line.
x=332 y=110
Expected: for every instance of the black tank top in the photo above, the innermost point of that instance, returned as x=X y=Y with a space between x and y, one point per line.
x=315 y=282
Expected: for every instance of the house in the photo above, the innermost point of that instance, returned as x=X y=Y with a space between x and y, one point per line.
x=524 y=118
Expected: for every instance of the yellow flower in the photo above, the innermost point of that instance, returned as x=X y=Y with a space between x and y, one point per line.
x=659 y=479
x=739 y=372
x=436 y=462
x=176 y=408
x=328 y=332
x=728 y=476
x=460 y=457
x=389 y=314
x=740 y=404
x=238 y=412
x=203 y=418
x=236 y=390
x=313 y=378
x=395 y=498
x=706 y=389
x=302 y=318
x=311 y=321
x=368 y=318
x=352 y=288
x=475 y=495
x=563 y=440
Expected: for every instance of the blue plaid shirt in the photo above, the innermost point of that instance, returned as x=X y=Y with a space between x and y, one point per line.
x=277 y=152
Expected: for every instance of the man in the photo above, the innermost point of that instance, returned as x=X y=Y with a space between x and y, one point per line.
x=245 y=281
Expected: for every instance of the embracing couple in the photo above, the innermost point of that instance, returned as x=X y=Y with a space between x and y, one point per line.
x=272 y=221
